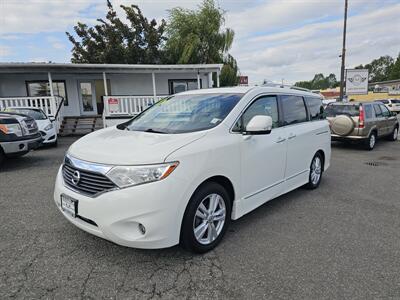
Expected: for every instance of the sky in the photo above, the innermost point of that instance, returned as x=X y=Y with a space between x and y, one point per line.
x=275 y=40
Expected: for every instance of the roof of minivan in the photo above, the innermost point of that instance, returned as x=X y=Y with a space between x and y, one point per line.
x=245 y=89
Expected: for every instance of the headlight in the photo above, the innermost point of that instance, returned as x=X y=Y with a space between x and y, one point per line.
x=48 y=127
x=125 y=176
x=11 y=129
x=25 y=130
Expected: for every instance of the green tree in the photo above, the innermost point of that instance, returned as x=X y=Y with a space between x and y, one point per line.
x=395 y=70
x=319 y=82
x=113 y=41
x=199 y=37
x=379 y=69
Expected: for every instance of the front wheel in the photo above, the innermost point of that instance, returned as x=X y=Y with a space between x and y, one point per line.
x=394 y=135
x=316 y=169
x=206 y=218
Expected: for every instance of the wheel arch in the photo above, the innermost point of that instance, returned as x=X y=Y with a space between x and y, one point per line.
x=322 y=153
x=224 y=181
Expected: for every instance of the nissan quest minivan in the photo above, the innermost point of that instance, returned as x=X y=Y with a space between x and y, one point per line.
x=180 y=171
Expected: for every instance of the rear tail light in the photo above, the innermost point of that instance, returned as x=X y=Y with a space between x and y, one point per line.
x=361 y=117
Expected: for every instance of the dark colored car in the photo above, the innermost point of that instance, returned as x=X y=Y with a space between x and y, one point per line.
x=18 y=135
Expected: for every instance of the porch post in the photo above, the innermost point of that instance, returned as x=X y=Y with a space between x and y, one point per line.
x=218 y=72
x=153 y=76
x=198 y=80
x=105 y=84
x=210 y=80
x=50 y=84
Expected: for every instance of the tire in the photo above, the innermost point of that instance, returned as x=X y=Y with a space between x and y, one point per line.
x=394 y=135
x=370 y=142
x=316 y=170
x=2 y=156
x=210 y=227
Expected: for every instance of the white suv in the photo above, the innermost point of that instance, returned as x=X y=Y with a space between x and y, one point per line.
x=184 y=168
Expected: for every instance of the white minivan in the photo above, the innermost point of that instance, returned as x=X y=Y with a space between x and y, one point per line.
x=180 y=171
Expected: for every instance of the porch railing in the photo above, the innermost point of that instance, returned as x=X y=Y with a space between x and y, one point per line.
x=128 y=105
x=51 y=106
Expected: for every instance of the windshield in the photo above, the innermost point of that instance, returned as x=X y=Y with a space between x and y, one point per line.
x=36 y=114
x=350 y=110
x=184 y=113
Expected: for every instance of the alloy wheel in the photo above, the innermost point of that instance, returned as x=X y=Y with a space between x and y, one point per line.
x=209 y=219
x=372 y=141
x=316 y=168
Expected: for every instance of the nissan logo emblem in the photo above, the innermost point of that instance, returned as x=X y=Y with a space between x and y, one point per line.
x=76 y=177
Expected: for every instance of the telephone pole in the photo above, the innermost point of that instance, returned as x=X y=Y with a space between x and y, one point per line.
x=343 y=52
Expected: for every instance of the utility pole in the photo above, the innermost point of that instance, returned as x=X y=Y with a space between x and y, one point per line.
x=343 y=53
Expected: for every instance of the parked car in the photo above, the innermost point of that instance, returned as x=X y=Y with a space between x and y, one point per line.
x=392 y=104
x=361 y=122
x=45 y=124
x=183 y=168
x=18 y=135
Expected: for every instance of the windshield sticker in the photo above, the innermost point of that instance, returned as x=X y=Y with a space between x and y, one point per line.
x=215 y=121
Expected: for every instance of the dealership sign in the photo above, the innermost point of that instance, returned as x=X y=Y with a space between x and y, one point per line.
x=113 y=105
x=356 y=81
x=243 y=80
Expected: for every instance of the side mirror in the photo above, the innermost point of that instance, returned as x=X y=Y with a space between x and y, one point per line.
x=52 y=119
x=259 y=125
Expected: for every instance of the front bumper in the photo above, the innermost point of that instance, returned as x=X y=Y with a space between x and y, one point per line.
x=21 y=146
x=116 y=215
x=49 y=137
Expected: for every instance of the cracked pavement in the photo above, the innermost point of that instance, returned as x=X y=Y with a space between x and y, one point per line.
x=340 y=241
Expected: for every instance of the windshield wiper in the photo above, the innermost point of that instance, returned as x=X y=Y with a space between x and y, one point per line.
x=154 y=131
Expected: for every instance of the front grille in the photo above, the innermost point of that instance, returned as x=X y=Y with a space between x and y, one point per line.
x=90 y=183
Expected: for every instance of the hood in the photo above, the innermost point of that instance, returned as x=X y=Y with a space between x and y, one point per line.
x=42 y=123
x=122 y=147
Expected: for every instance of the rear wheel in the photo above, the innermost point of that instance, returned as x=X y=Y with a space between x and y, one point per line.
x=371 y=141
x=316 y=169
x=206 y=218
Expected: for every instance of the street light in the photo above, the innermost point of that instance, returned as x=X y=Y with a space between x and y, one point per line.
x=343 y=52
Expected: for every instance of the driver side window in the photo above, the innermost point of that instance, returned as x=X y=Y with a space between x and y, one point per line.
x=264 y=106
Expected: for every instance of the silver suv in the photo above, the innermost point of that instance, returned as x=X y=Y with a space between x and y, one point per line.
x=362 y=122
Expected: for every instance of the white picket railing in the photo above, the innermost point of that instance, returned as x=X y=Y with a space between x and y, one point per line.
x=127 y=105
x=49 y=105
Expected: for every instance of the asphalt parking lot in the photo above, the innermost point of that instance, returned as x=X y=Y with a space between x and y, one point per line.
x=341 y=241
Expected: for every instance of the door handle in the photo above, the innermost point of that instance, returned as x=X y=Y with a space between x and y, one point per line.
x=280 y=140
x=291 y=136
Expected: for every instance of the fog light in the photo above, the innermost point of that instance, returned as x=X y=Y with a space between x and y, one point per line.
x=142 y=228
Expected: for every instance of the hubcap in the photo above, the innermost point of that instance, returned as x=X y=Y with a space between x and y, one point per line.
x=372 y=141
x=209 y=219
x=316 y=168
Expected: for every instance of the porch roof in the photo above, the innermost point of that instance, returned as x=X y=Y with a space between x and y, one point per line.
x=108 y=68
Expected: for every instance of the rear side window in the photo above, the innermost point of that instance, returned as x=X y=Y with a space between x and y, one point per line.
x=315 y=108
x=396 y=101
x=294 y=110
x=368 y=111
x=333 y=110
x=378 y=111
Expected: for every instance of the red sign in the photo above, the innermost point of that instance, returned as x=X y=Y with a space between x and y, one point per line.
x=112 y=101
x=243 y=80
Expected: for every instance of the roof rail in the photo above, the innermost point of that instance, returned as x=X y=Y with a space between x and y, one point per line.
x=293 y=87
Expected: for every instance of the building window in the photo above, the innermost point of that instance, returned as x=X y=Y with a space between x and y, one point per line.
x=181 y=85
x=42 y=89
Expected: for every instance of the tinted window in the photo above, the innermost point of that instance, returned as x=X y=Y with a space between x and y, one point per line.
x=264 y=106
x=184 y=113
x=333 y=110
x=396 y=101
x=378 y=112
x=315 y=108
x=368 y=111
x=385 y=111
x=294 y=110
